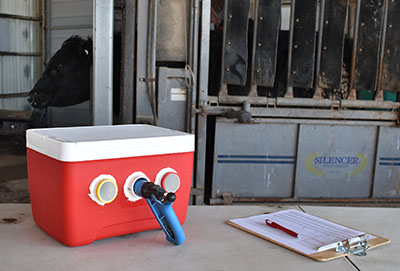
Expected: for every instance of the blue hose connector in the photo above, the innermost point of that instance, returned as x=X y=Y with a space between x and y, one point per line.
x=161 y=205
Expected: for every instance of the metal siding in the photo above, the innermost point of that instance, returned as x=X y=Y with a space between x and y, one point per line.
x=71 y=13
x=387 y=168
x=172 y=98
x=20 y=36
x=18 y=74
x=67 y=18
x=335 y=161
x=254 y=160
x=20 y=7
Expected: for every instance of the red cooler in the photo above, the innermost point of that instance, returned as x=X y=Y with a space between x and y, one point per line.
x=80 y=178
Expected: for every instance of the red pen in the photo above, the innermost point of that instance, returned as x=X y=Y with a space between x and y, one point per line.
x=279 y=227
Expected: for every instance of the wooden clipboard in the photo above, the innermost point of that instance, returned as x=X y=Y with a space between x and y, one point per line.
x=322 y=256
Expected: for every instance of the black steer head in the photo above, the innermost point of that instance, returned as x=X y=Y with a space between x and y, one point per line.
x=66 y=80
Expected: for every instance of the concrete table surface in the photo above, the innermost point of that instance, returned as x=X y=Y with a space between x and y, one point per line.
x=211 y=244
x=384 y=222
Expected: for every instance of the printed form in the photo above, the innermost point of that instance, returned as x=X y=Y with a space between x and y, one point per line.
x=314 y=232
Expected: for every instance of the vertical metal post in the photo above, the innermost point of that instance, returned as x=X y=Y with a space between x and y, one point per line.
x=42 y=31
x=353 y=53
x=103 y=18
x=317 y=89
x=47 y=48
x=46 y=16
x=253 y=56
x=289 y=89
x=143 y=107
x=194 y=54
x=382 y=47
x=201 y=135
x=151 y=58
x=128 y=61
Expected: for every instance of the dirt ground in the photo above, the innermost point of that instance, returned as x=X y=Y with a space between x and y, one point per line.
x=13 y=174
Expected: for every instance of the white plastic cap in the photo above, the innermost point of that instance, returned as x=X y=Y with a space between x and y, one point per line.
x=168 y=179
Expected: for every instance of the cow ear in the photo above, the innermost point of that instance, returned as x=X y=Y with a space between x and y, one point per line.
x=87 y=48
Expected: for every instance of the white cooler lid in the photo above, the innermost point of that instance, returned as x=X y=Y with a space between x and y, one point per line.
x=88 y=143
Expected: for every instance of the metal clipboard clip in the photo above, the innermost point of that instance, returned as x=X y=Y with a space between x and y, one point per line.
x=356 y=245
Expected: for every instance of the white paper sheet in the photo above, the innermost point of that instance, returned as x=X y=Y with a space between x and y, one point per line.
x=314 y=232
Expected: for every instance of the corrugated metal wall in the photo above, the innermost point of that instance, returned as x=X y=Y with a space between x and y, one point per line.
x=20 y=50
x=67 y=18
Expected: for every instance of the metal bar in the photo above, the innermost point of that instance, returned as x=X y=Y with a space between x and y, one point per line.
x=346 y=201
x=325 y=122
x=103 y=13
x=204 y=51
x=193 y=63
x=298 y=113
x=20 y=17
x=291 y=32
x=128 y=61
x=66 y=27
x=354 y=53
x=370 y=104
x=310 y=102
x=189 y=54
x=42 y=42
x=326 y=114
x=382 y=44
x=151 y=58
x=4 y=53
x=223 y=91
x=13 y=95
x=319 y=47
x=253 y=51
x=195 y=55
x=201 y=133
x=47 y=33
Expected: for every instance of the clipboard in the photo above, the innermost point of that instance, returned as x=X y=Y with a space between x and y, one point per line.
x=254 y=226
